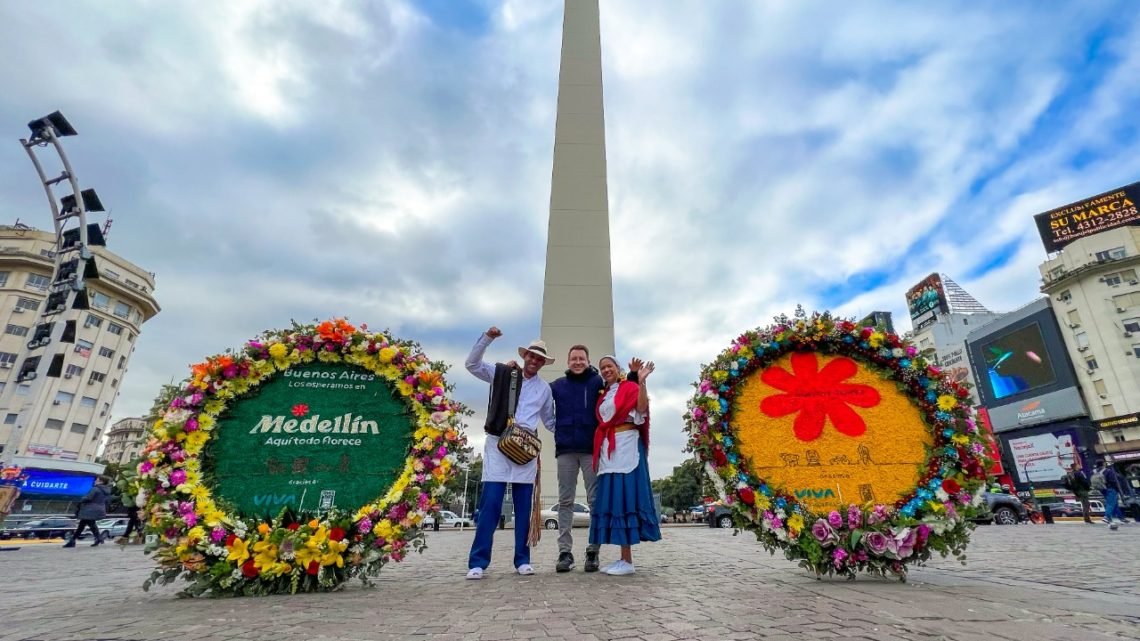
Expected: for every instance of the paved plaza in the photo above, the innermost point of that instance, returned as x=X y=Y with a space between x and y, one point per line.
x=1068 y=581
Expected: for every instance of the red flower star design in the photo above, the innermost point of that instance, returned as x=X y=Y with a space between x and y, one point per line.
x=818 y=395
x=300 y=409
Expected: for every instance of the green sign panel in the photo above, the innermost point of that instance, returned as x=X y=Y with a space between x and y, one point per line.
x=315 y=437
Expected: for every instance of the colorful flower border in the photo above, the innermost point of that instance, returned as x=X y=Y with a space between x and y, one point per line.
x=879 y=539
x=200 y=541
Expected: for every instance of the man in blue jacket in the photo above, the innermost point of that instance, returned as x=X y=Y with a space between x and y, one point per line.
x=575 y=400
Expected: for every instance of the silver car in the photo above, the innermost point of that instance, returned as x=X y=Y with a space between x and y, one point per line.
x=581 y=517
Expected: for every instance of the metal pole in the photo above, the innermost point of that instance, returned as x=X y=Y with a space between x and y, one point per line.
x=463 y=512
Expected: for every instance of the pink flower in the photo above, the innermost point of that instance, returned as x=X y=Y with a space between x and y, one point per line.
x=923 y=534
x=364 y=525
x=835 y=519
x=840 y=556
x=911 y=351
x=191 y=424
x=823 y=533
x=876 y=543
x=218 y=534
x=190 y=519
x=177 y=477
x=854 y=517
x=145 y=467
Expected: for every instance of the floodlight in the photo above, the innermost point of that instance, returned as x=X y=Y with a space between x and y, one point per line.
x=56 y=121
x=91 y=201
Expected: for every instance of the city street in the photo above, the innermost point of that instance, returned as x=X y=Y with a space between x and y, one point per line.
x=1066 y=581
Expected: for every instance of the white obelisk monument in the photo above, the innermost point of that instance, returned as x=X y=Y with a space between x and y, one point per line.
x=577 y=299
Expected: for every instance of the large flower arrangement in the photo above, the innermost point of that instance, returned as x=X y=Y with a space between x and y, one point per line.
x=220 y=553
x=882 y=538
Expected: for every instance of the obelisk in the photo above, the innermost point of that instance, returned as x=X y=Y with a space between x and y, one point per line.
x=577 y=298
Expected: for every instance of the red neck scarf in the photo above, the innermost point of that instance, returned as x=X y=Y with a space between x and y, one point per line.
x=625 y=401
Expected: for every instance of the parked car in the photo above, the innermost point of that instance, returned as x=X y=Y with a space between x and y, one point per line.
x=447 y=519
x=697 y=513
x=50 y=528
x=1002 y=509
x=719 y=516
x=550 y=517
x=109 y=528
x=1066 y=509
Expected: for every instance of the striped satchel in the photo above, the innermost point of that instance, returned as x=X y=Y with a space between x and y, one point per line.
x=520 y=445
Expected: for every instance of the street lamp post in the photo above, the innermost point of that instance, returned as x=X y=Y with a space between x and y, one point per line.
x=463 y=512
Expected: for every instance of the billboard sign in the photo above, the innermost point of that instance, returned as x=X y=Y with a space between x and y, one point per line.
x=1046 y=408
x=925 y=299
x=47 y=483
x=1044 y=457
x=1017 y=362
x=1116 y=208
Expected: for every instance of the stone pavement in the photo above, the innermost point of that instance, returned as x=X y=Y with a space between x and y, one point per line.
x=1040 y=583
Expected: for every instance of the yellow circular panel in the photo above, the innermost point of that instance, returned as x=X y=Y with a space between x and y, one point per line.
x=830 y=432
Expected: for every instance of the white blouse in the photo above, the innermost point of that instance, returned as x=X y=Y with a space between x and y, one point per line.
x=625 y=456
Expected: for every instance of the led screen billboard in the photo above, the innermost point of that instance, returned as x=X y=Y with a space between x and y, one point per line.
x=1061 y=226
x=1017 y=362
x=926 y=298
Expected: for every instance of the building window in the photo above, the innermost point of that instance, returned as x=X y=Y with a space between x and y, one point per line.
x=1074 y=318
x=1082 y=339
x=130 y=337
x=10 y=419
x=1091 y=363
x=53 y=424
x=1098 y=385
x=93 y=321
x=97 y=377
x=72 y=371
x=122 y=361
x=1118 y=436
x=27 y=303
x=1057 y=272
x=36 y=281
x=122 y=310
x=7 y=357
x=1108 y=410
x=1115 y=253
x=1124 y=301
x=1132 y=324
x=16 y=330
x=113 y=275
x=100 y=301
x=23 y=389
x=4 y=278
x=87 y=401
x=1065 y=296
x=64 y=398
x=115 y=328
x=1136 y=350
x=106 y=351
x=79 y=428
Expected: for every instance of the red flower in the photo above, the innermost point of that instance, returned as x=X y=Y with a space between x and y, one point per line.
x=300 y=409
x=719 y=458
x=336 y=534
x=747 y=495
x=818 y=395
x=314 y=567
x=230 y=540
x=951 y=486
x=249 y=570
x=292 y=527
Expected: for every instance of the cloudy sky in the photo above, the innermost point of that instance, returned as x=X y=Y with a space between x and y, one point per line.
x=390 y=161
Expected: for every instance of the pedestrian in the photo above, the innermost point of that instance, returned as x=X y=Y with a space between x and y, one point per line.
x=624 y=513
x=1076 y=483
x=133 y=525
x=533 y=402
x=92 y=507
x=575 y=403
x=1105 y=480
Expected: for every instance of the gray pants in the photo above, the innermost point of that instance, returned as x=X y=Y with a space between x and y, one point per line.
x=568 y=467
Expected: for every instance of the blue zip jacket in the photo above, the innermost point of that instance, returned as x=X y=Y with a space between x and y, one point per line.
x=575 y=398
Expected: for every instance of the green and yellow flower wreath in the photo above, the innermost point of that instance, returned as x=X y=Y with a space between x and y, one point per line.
x=880 y=539
x=221 y=554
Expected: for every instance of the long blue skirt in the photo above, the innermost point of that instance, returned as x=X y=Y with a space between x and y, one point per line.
x=623 y=512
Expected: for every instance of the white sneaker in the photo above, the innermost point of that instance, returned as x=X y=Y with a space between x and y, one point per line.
x=620 y=568
x=475 y=574
x=526 y=569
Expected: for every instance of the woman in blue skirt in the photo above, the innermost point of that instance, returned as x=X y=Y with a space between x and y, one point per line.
x=623 y=512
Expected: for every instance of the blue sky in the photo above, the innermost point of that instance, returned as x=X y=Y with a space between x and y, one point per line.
x=391 y=161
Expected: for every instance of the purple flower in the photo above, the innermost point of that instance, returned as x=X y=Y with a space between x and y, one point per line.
x=364 y=525
x=876 y=543
x=177 y=477
x=854 y=517
x=823 y=533
x=923 y=534
x=190 y=519
x=904 y=542
x=840 y=556
x=218 y=534
x=835 y=519
x=145 y=467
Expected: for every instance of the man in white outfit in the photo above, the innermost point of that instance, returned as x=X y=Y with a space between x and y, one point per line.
x=533 y=403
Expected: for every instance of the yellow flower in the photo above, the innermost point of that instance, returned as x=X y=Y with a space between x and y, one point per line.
x=239 y=552
x=278 y=351
x=795 y=524
x=205 y=422
x=947 y=402
x=195 y=441
x=277 y=569
x=876 y=339
x=213 y=407
x=384 y=529
x=266 y=554
x=762 y=501
x=960 y=439
x=199 y=492
x=263 y=529
x=333 y=556
x=404 y=388
x=720 y=376
x=935 y=506
x=314 y=524
x=306 y=555
x=387 y=354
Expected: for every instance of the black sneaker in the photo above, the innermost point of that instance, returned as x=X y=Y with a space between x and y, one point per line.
x=565 y=562
x=591 y=562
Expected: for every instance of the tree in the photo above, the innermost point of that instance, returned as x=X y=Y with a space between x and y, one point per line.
x=685 y=487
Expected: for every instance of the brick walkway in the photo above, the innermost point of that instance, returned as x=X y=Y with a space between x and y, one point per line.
x=1034 y=583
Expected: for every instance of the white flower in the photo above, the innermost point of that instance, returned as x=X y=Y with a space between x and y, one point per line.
x=942 y=495
x=898 y=352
